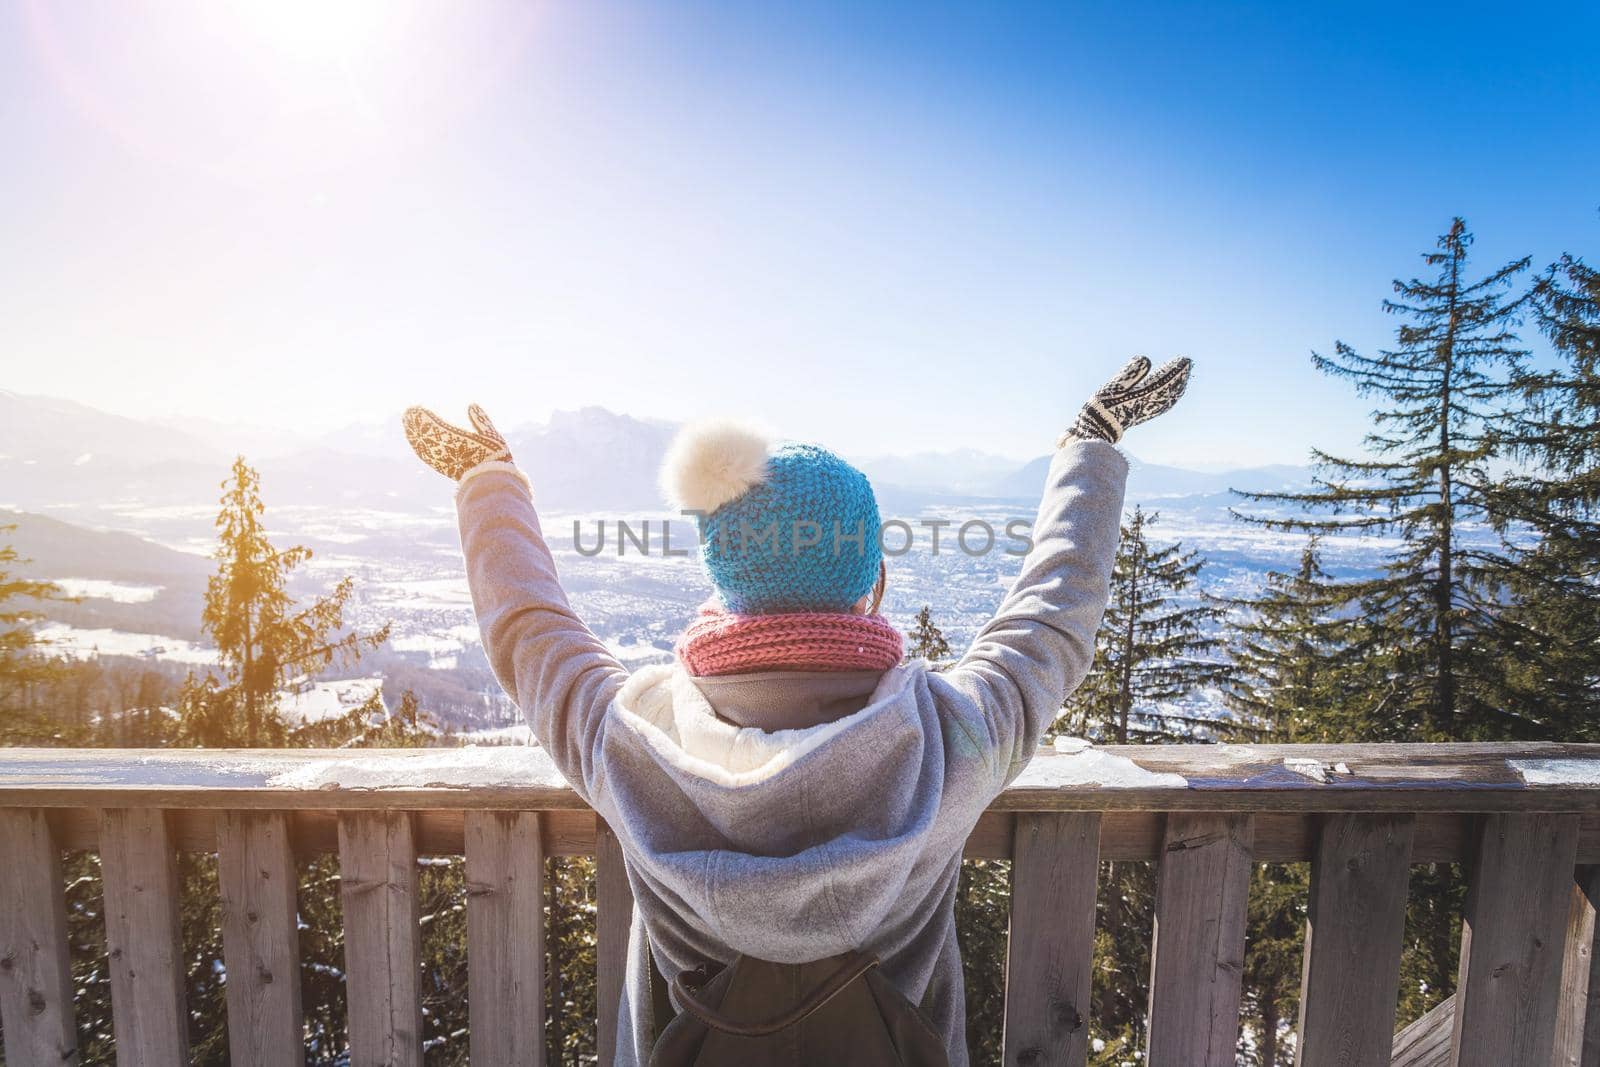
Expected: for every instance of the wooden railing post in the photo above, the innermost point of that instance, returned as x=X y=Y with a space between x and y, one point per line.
x=382 y=938
x=1055 y=862
x=144 y=943
x=1578 y=1015
x=505 y=938
x=614 y=905
x=1355 y=930
x=1197 y=960
x=260 y=943
x=1512 y=940
x=35 y=974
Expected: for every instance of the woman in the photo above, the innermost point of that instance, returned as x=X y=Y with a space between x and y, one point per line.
x=787 y=789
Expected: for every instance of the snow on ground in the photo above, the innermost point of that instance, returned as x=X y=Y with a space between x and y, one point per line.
x=78 y=643
x=636 y=654
x=314 y=701
x=519 y=734
x=426 y=594
x=100 y=589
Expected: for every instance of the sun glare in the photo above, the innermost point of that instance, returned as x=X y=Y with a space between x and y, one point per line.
x=312 y=29
x=255 y=92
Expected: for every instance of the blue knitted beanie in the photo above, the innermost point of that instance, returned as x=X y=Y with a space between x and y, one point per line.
x=785 y=529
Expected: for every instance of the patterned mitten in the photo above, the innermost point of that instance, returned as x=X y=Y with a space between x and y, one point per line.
x=1133 y=396
x=451 y=450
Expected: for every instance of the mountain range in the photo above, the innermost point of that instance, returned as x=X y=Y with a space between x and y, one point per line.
x=56 y=453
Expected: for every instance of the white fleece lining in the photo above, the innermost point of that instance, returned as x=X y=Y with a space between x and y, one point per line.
x=664 y=705
x=493 y=465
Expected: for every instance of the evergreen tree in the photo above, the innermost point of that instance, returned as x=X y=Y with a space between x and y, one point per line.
x=1274 y=953
x=1548 y=511
x=1431 y=614
x=1421 y=650
x=23 y=664
x=1152 y=648
x=1563 y=427
x=263 y=639
x=1291 y=674
x=926 y=641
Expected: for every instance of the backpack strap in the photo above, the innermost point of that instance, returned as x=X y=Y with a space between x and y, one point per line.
x=855 y=965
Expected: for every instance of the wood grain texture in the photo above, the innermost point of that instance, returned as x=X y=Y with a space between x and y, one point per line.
x=1512 y=940
x=256 y=877
x=1355 y=930
x=614 y=904
x=1050 y=946
x=144 y=944
x=382 y=938
x=35 y=972
x=505 y=938
x=1384 y=777
x=1577 y=1042
x=1426 y=1041
x=1197 y=958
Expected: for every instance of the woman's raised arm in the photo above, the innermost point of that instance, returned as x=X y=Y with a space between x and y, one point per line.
x=559 y=673
x=1040 y=643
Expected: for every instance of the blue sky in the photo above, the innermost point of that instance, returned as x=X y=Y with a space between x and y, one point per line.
x=889 y=228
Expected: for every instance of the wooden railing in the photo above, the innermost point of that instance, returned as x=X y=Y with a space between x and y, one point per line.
x=1524 y=819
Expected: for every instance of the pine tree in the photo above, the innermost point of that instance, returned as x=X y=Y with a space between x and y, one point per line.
x=1563 y=428
x=263 y=639
x=1291 y=674
x=1274 y=952
x=1431 y=613
x=926 y=641
x=24 y=666
x=1421 y=650
x=1548 y=510
x=1153 y=647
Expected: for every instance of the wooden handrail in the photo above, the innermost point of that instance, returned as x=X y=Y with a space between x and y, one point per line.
x=1522 y=817
x=1255 y=778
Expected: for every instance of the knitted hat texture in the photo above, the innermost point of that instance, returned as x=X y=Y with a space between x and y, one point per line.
x=786 y=529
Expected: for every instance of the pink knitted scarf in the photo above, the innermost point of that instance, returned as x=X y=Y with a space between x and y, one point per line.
x=719 y=642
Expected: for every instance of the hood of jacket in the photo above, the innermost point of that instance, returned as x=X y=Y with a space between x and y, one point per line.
x=789 y=844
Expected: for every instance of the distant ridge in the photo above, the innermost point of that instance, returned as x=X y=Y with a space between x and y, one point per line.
x=58 y=452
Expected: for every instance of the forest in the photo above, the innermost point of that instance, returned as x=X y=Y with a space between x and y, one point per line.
x=1454 y=638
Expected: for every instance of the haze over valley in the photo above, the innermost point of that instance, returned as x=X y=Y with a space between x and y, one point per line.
x=120 y=512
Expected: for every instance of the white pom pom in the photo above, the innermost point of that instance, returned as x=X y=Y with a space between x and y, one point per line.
x=711 y=463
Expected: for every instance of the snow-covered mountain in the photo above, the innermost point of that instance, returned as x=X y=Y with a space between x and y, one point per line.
x=58 y=453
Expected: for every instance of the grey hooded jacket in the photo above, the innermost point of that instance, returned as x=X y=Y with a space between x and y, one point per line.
x=794 y=844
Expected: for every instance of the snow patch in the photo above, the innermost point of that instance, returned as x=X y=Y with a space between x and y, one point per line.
x=1313 y=769
x=517 y=734
x=310 y=702
x=1558 y=771
x=75 y=643
x=100 y=589
x=1078 y=764
x=475 y=766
